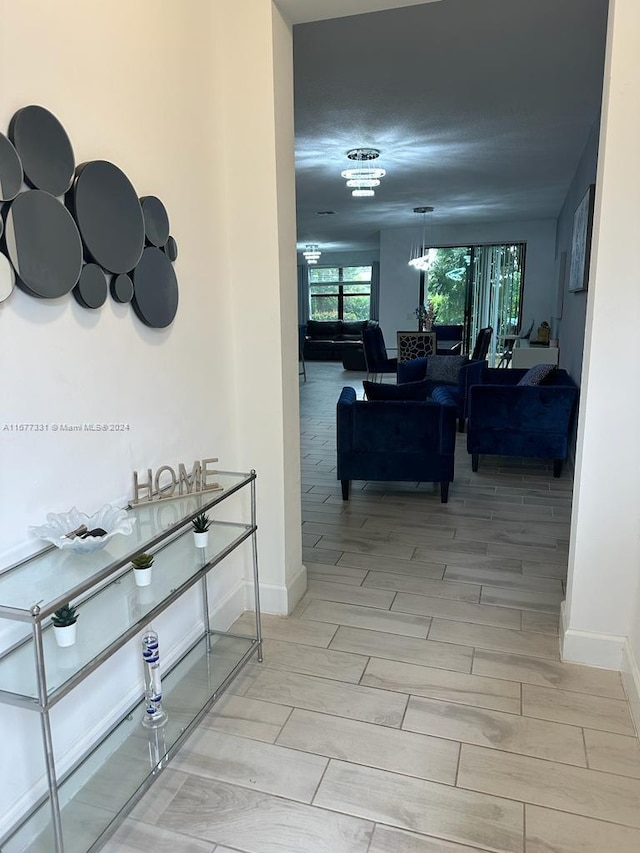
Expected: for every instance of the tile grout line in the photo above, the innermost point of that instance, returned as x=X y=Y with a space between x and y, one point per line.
x=586 y=751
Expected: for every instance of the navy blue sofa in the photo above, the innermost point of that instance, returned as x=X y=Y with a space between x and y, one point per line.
x=533 y=421
x=395 y=440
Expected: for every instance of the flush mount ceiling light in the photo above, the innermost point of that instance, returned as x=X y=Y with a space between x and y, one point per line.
x=312 y=253
x=362 y=181
x=420 y=258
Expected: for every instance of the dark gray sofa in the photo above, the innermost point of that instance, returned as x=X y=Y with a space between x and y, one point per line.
x=332 y=340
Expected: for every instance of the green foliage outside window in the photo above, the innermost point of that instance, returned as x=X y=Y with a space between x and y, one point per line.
x=340 y=293
x=447 y=284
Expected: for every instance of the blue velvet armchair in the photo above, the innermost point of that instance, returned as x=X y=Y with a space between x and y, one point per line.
x=469 y=374
x=533 y=421
x=395 y=440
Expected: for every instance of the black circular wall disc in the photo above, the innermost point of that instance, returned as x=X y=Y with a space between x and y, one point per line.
x=109 y=216
x=156 y=220
x=43 y=244
x=10 y=170
x=122 y=288
x=155 y=289
x=44 y=148
x=171 y=249
x=91 y=289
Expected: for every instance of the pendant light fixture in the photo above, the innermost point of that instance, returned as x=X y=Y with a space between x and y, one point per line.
x=420 y=258
x=363 y=180
x=312 y=253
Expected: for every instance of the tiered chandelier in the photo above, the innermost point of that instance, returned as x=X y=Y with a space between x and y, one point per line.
x=312 y=253
x=363 y=181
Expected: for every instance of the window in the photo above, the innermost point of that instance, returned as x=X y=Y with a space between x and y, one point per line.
x=339 y=293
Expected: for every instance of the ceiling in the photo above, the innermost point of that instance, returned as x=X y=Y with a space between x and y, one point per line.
x=480 y=108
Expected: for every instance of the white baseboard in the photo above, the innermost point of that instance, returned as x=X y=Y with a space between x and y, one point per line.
x=276 y=599
x=297 y=587
x=631 y=681
x=589 y=648
x=228 y=609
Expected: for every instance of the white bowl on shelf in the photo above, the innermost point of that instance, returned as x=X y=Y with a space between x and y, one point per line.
x=113 y=519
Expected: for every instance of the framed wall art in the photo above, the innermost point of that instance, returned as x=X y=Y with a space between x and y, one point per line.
x=581 y=242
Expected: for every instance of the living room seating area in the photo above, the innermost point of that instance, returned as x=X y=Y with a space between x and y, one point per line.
x=402 y=431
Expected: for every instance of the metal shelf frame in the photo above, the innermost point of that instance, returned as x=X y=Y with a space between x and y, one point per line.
x=93 y=587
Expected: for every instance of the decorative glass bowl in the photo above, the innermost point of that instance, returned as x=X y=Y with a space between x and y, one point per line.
x=110 y=518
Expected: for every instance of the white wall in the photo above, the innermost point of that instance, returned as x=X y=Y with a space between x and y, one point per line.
x=399 y=282
x=181 y=94
x=602 y=609
x=574 y=305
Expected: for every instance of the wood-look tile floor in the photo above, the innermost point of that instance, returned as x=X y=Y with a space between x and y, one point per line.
x=415 y=702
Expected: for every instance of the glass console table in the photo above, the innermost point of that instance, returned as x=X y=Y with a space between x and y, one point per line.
x=35 y=674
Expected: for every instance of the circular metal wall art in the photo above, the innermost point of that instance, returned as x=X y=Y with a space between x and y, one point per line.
x=91 y=289
x=155 y=289
x=171 y=249
x=7 y=278
x=43 y=244
x=44 y=148
x=10 y=170
x=122 y=288
x=156 y=220
x=109 y=216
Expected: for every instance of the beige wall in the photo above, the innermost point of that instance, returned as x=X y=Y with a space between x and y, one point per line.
x=254 y=73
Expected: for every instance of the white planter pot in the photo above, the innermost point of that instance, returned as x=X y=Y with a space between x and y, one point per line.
x=201 y=539
x=142 y=576
x=65 y=635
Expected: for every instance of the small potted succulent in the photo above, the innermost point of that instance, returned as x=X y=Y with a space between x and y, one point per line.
x=64 y=625
x=142 y=569
x=200 y=526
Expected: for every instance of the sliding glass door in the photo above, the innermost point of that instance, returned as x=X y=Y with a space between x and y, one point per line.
x=478 y=286
x=496 y=297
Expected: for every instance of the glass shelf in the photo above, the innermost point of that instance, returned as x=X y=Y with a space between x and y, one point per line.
x=54 y=576
x=80 y=810
x=114 y=613
x=103 y=784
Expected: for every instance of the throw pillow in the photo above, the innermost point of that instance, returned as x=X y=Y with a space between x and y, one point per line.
x=445 y=368
x=408 y=391
x=537 y=375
